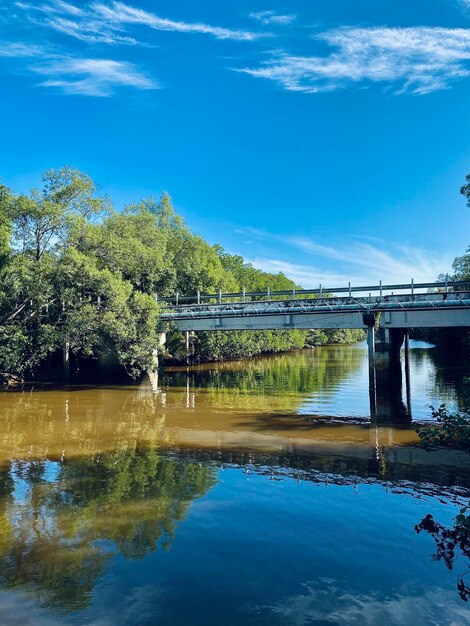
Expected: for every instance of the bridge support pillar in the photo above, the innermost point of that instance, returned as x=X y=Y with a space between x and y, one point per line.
x=388 y=374
x=153 y=374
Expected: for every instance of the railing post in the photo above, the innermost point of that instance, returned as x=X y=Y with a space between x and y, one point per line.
x=293 y=293
x=349 y=289
x=243 y=295
x=447 y=279
x=380 y=288
x=412 y=286
x=321 y=291
x=268 y=294
x=199 y=297
x=177 y=296
x=220 y=296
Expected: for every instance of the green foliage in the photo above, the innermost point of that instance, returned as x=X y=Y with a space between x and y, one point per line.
x=221 y=345
x=41 y=221
x=461 y=267
x=5 y=223
x=76 y=273
x=71 y=280
x=334 y=336
x=465 y=189
x=452 y=430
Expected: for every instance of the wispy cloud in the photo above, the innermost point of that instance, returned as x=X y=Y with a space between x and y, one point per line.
x=106 y=22
x=308 y=276
x=271 y=17
x=20 y=50
x=125 y=14
x=74 y=75
x=93 y=32
x=92 y=77
x=81 y=23
x=98 y=22
x=356 y=262
x=57 y=6
x=418 y=60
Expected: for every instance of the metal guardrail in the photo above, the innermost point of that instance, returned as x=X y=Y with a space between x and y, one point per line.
x=423 y=301
x=321 y=292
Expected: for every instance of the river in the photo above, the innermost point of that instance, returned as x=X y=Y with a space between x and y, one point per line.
x=256 y=492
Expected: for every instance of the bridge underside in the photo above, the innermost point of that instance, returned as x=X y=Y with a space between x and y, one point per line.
x=440 y=318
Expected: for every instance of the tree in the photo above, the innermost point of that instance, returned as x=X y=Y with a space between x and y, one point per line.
x=42 y=219
x=465 y=189
x=5 y=223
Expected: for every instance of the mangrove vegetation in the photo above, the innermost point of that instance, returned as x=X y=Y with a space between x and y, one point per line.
x=75 y=273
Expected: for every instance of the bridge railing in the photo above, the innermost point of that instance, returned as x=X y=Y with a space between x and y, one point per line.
x=321 y=292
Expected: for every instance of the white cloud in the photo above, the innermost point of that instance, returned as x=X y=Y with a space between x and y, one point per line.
x=419 y=60
x=56 y=6
x=76 y=22
x=20 y=50
x=65 y=7
x=308 y=276
x=270 y=17
x=75 y=75
x=125 y=14
x=355 y=262
x=92 y=77
x=91 y=32
x=99 y=22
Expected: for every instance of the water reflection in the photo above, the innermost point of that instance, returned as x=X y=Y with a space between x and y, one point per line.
x=53 y=514
x=178 y=504
x=71 y=531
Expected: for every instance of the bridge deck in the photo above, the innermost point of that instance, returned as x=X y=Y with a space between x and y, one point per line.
x=444 y=308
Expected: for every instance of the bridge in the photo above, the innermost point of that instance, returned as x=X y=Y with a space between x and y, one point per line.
x=387 y=312
x=423 y=305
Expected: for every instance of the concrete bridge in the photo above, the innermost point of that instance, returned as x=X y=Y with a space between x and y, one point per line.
x=383 y=306
x=386 y=312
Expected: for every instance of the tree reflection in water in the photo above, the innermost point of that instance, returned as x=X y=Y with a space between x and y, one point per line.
x=451 y=543
x=52 y=515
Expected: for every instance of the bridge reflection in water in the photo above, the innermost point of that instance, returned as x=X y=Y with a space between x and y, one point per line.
x=303 y=410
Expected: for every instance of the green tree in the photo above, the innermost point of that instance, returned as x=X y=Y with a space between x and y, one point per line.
x=42 y=219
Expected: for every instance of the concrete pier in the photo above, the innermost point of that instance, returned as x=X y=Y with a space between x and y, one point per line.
x=386 y=364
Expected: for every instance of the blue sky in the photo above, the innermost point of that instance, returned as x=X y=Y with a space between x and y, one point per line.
x=324 y=139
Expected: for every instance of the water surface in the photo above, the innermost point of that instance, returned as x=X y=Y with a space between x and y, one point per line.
x=255 y=492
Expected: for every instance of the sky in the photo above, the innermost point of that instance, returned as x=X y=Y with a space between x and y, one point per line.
x=327 y=140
